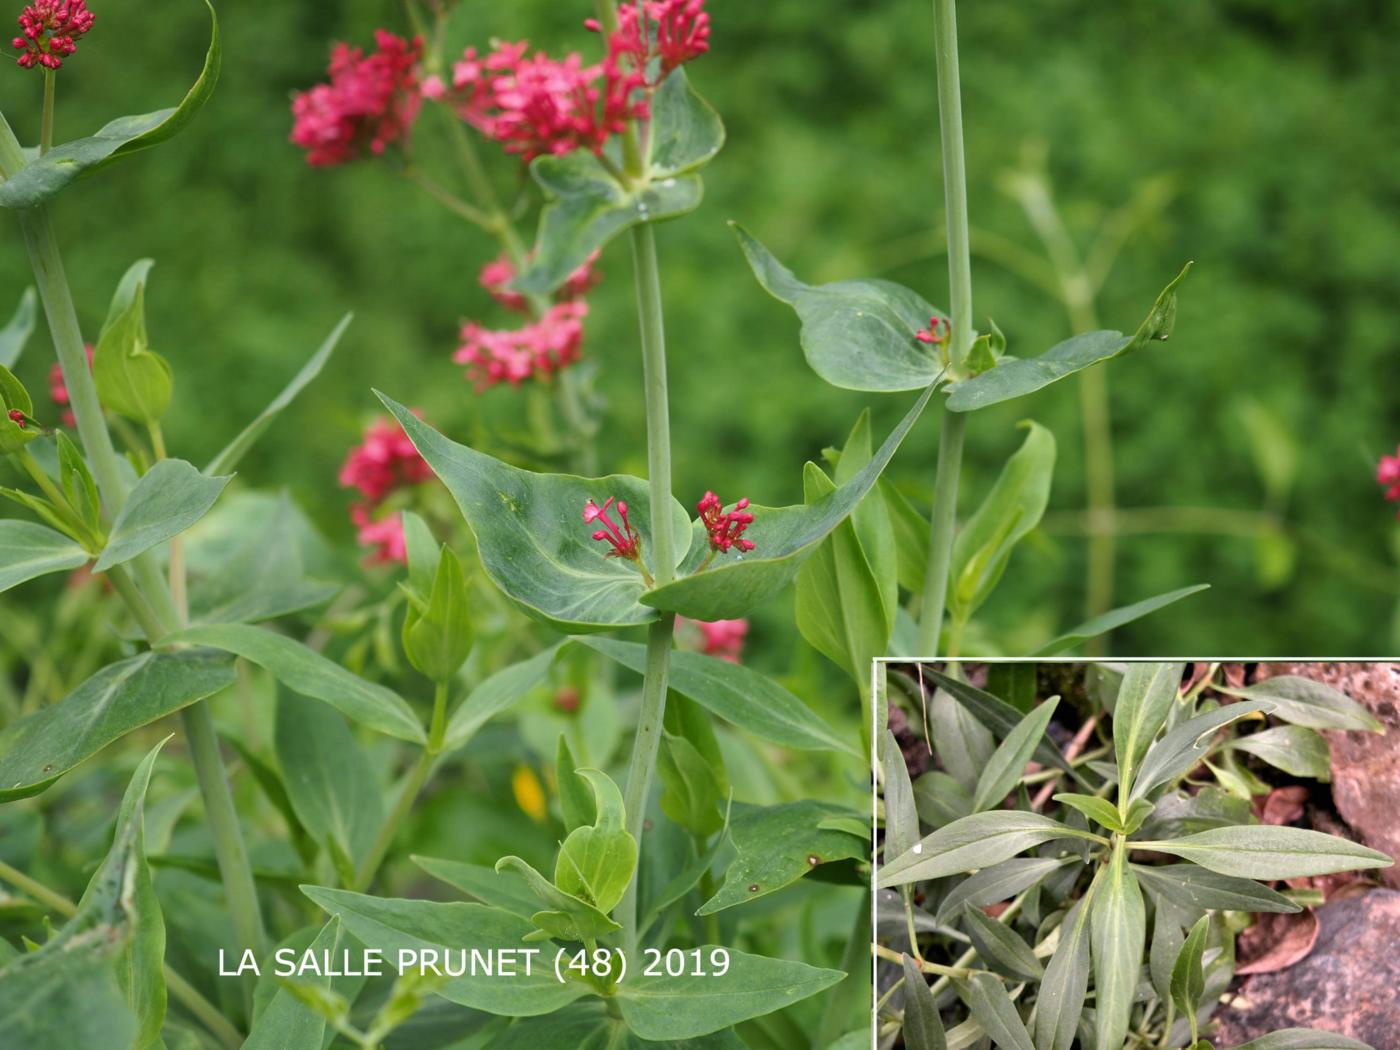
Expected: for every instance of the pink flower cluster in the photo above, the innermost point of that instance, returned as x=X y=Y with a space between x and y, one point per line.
x=534 y=105
x=721 y=638
x=1388 y=476
x=49 y=32
x=679 y=31
x=58 y=389
x=726 y=529
x=384 y=462
x=538 y=349
x=369 y=104
x=498 y=273
x=624 y=541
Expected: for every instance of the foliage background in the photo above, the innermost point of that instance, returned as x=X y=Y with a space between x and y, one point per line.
x=1269 y=118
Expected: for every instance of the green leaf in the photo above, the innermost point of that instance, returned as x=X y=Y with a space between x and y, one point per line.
x=1188 y=982
x=1118 y=931
x=500 y=889
x=940 y=799
x=589 y=1026
x=563 y=916
x=1192 y=886
x=685 y=131
x=18 y=330
x=922 y=1026
x=690 y=790
x=784 y=538
x=1269 y=852
x=307 y=672
x=1000 y=882
x=1011 y=510
x=14 y=397
x=1183 y=747
x=1093 y=807
x=1113 y=619
x=77 y=482
x=576 y=805
x=1293 y=749
x=911 y=531
x=859 y=335
x=393 y=924
x=736 y=693
x=901 y=816
x=329 y=780
x=533 y=541
x=978 y=841
x=1009 y=760
x=777 y=845
x=1014 y=682
x=287 y=1023
x=665 y=1007
x=596 y=863
x=1145 y=699
x=1312 y=704
x=28 y=550
x=997 y=715
x=132 y=380
x=1015 y=378
x=235 y=450
x=438 y=638
x=1060 y=1002
x=41 y=178
x=1001 y=947
x=38 y=749
x=494 y=695
x=1169 y=924
x=992 y=1008
x=168 y=499
x=1303 y=1039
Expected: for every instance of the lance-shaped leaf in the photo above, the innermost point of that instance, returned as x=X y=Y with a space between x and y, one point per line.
x=665 y=1007
x=1000 y=882
x=494 y=695
x=1293 y=749
x=1015 y=378
x=1001 y=948
x=783 y=536
x=44 y=176
x=500 y=889
x=563 y=915
x=18 y=329
x=287 y=1023
x=1144 y=701
x=978 y=841
x=1113 y=619
x=588 y=207
x=590 y=1026
x=307 y=672
x=901 y=815
x=1266 y=852
x=169 y=498
x=992 y=1008
x=777 y=845
x=28 y=550
x=1192 y=886
x=1060 y=1002
x=1188 y=981
x=38 y=749
x=394 y=924
x=1011 y=510
x=1181 y=748
x=576 y=805
x=596 y=862
x=1096 y=809
x=738 y=694
x=922 y=1025
x=1307 y=703
x=859 y=335
x=1118 y=931
x=1008 y=761
x=533 y=540
x=997 y=715
x=236 y=449
x=1303 y=1039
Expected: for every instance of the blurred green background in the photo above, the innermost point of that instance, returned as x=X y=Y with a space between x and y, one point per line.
x=1274 y=124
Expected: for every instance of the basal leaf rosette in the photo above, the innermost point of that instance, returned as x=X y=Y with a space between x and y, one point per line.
x=533 y=542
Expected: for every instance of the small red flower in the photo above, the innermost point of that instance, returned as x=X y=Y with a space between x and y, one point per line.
x=537 y=350
x=498 y=273
x=17 y=417
x=384 y=536
x=677 y=32
x=721 y=638
x=624 y=542
x=58 y=389
x=50 y=30
x=726 y=529
x=935 y=333
x=384 y=461
x=370 y=103
x=1388 y=476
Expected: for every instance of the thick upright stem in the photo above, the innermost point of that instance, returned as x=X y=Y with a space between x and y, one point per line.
x=46 y=127
x=950 y=444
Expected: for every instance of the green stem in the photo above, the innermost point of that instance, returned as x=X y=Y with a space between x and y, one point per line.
x=389 y=830
x=136 y=602
x=836 y=1018
x=950 y=445
x=449 y=200
x=632 y=161
x=46 y=128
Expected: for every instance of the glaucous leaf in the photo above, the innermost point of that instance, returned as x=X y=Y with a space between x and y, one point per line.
x=738 y=694
x=999 y=882
x=901 y=816
x=1015 y=378
x=44 y=176
x=576 y=805
x=500 y=889
x=533 y=541
x=38 y=749
x=596 y=862
x=28 y=550
x=784 y=538
x=589 y=1026
x=495 y=694
x=940 y=799
x=1009 y=760
x=1304 y=702
x=859 y=335
x=230 y=455
x=963 y=744
x=169 y=498
x=1265 y=852
x=18 y=329
x=1114 y=619
x=997 y=715
x=1118 y=932
x=974 y=842
x=1303 y=1039
x=1063 y=989
x=991 y=1006
x=307 y=672
x=79 y=486
x=560 y=915
x=1000 y=947
x=922 y=1027
x=393 y=924
x=1145 y=699
x=690 y=790
x=686 y=132
x=777 y=845
x=1191 y=886
x=1293 y=749
x=286 y=1023
x=1185 y=746
x=437 y=626
x=685 y=1007
x=1188 y=974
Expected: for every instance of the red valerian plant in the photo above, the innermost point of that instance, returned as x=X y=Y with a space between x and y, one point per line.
x=623 y=542
x=49 y=30
x=721 y=638
x=384 y=462
x=536 y=350
x=1388 y=476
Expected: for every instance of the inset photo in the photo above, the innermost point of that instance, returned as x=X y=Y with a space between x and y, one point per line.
x=1137 y=855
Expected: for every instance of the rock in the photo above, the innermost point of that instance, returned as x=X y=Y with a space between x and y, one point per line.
x=1365 y=766
x=1349 y=982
